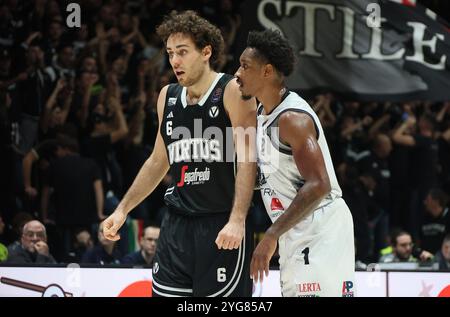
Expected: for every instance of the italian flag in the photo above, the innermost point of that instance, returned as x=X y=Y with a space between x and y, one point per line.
x=135 y=232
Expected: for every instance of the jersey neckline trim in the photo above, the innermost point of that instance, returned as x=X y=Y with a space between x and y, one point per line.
x=205 y=97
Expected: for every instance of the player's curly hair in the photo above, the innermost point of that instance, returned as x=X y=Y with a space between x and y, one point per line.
x=202 y=32
x=273 y=48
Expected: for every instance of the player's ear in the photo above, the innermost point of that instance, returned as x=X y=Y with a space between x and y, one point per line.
x=207 y=51
x=268 y=70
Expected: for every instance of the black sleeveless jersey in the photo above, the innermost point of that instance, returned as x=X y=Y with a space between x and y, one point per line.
x=200 y=150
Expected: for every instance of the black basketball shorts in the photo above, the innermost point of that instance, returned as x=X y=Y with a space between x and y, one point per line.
x=188 y=262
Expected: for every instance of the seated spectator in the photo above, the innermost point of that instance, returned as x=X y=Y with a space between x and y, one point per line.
x=436 y=223
x=82 y=243
x=148 y=247
x=34 y=248
x=403 y=249
x=105 y=252
x=442 y=257
x=77 y=194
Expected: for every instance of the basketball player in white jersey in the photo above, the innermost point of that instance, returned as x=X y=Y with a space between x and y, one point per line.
x=311 y=221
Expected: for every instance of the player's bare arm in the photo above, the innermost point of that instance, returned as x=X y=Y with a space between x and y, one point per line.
x=298 y=131
x=149 y=176
x=242 y=116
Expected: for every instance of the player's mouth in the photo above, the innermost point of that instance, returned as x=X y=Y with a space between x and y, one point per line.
x=179 y=73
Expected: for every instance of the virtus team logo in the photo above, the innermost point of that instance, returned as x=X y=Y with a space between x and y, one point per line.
x=213 y=111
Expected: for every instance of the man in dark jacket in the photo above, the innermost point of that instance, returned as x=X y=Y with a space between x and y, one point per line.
x=34 y=248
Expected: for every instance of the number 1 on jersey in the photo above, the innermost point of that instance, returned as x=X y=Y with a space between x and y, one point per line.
x=306 y=257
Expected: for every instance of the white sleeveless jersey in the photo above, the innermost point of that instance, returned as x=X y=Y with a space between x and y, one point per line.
x=279 y=178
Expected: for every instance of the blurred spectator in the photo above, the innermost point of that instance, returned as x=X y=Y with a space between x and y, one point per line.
x=361 y=205
x=44 y=153
x=376 y=166
x=436 y=223
x=56 y=109
x=82 y=243
x=98 y=145
x=148 y=245
x=77 y=191
x=52 y=39
x=34 y=248
x=424 y=162
x=105 y=252
x=30 y=96
x=442 y=257
x=403 y=249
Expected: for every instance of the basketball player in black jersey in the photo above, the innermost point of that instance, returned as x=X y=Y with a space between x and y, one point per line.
x=204 y=247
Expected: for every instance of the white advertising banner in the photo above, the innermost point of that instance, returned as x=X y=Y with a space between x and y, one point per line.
x=415 y=284
x=74 y=281
x=126 y=282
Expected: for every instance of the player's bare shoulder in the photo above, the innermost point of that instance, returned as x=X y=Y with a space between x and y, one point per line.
x=296 y=126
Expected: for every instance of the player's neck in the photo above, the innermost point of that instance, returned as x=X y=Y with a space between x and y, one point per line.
x=198 y=90
x=271 y=97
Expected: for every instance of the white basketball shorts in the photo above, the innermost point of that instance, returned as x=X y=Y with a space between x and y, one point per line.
x=317 y=256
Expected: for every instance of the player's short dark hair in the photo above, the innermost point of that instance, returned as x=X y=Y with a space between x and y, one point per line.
x=202 y=32
x=273 y=48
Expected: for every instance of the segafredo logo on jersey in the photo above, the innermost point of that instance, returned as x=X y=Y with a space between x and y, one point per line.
x=195 y=177
x=347 y=287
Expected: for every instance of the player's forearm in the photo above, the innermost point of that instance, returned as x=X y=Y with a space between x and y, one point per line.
x=243 y=193
x=304 y=203
x=150 y=175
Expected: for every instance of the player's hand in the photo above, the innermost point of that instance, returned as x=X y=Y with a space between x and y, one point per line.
x=230 y=237
x=112 y=224
x=261 y=258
